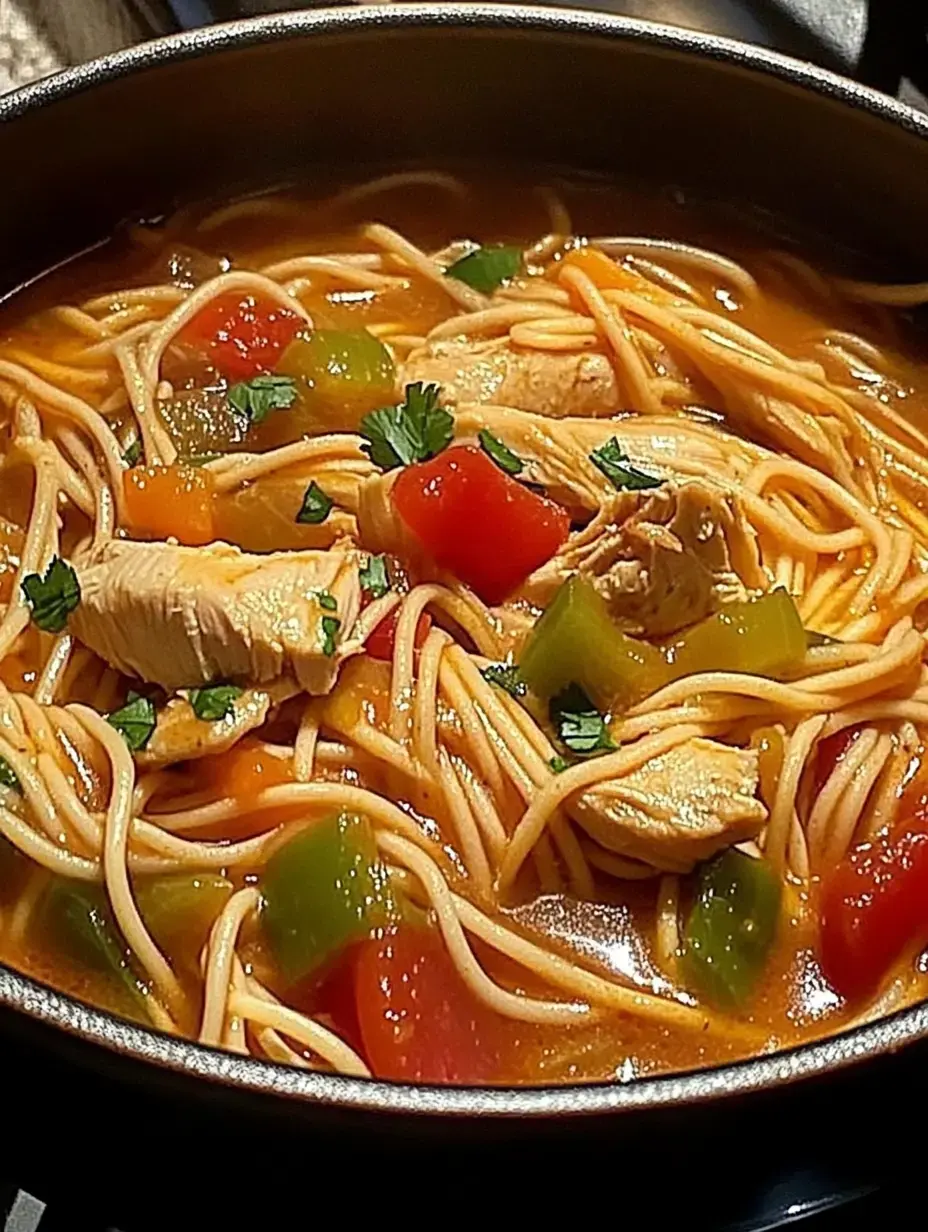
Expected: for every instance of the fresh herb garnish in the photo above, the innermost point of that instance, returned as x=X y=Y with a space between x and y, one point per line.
x=623 y=475
x=133 y=453
x=415 y=430
x=330 y=628
x=316 y=506
x=327 y=601
x=255 y=399
x=214 y=702
x=558 y=764
x=374 y=577
x=135 y=721
x=485 y=268
x=505 y=676
x=53 y=597
x=501 y=454
x=8 y=777
x=579 y=725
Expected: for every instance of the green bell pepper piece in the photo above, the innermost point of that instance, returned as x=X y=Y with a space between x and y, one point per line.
x=340 y=375
x=576 y=641
x=79 y=920
x=179 y=910
x=322 y=890
x=731 y=927
x=761 y=637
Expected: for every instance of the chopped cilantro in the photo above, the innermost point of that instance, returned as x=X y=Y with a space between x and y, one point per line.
x=52 y=598
x=255 y=399
x=415 y=430
x=505 y=676
x=330 y=628
x=135 y=721
x=8 y=777
x=374 y=577
x=217 y=701
x=501 y=454
x=486 y=268
x=316 y=506
x=622 y=474
x=579 y=725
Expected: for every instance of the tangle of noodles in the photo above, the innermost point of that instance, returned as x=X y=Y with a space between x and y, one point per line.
x=513 y=883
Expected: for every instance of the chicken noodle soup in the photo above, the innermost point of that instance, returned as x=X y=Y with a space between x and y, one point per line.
x=459 y=634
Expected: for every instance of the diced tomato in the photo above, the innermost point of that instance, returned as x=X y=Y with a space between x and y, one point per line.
x=333 y=996
x=830 y=752
x=475 y=520
x=419 y=1021
x=242 y=772
x=241 y=335
x=875 y=904
x=170 y=501
x=381 y=642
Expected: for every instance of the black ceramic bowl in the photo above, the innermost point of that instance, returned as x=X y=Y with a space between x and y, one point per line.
x=259 y=102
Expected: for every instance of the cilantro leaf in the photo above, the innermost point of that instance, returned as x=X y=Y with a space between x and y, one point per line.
x=327 y=601
x=53 y=597
x=374 y=577
x=133 y=453
x=135 y=721
x=485 y=268
x=499 y=453
x=558 y=764
x=623 y=475
x=579 y=725
x=330 y=628
x=8 y=776
x=316 y=506
x=505 y=676
x=415 y=430
x=214 y=702
x=255 y=399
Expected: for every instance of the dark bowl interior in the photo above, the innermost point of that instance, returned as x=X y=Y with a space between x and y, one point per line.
x=259 y=103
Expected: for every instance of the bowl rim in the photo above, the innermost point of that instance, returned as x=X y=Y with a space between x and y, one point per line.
x=106 y=1031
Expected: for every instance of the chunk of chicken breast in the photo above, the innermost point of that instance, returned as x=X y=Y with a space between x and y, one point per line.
x=549 y=383
x=184 y=617
x=678 y=808
x=661 y=558
x=180 y=736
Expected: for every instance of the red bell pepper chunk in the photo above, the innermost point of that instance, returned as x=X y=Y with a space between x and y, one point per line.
x=874 y=904
x=241 y=335
x=831 y=751
x=476 y=521
x=382 y=640
x=418 y=1020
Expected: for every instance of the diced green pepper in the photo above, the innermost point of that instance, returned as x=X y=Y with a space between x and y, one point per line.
x=761 y=637
x=576 y=641
x=340 y=376
x=179 y=910
x=76 y=916
x=324 y=889
x=730 y=929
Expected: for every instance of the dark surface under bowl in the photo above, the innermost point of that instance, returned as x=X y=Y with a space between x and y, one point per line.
x=258 y=103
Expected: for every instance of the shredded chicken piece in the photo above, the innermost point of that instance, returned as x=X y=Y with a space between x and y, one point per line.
x=662 y=558
x=547 y=383
x=184 y=617
x=180 y=736
x=557 y=451
x=677 y=809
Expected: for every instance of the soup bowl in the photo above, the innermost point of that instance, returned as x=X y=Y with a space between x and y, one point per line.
x=261 y=102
